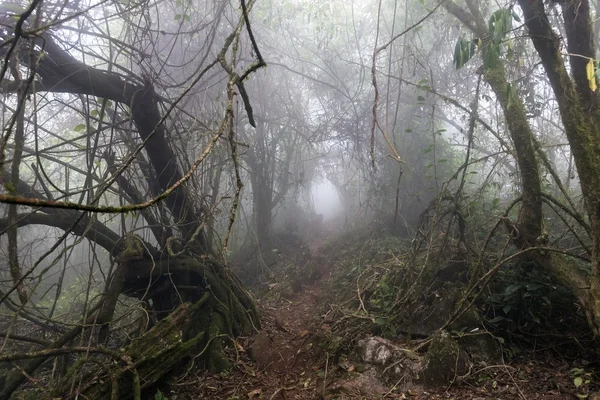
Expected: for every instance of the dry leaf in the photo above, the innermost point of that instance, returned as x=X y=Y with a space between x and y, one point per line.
x=254 y=393
x=591 y=75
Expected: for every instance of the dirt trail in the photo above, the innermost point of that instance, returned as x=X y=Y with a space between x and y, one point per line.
x=280 y=362
x=283 y=362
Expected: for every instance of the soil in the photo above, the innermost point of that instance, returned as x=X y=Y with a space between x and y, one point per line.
x=284 y=361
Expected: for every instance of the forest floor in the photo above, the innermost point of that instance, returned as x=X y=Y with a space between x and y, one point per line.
x=285 y=361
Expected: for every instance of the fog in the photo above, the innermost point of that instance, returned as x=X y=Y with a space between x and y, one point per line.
x=149 y=144
x=326 y=200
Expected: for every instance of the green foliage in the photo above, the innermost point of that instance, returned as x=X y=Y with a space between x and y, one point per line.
x=10 y=188
x=463 y=52
x=160 y=396
x=581 y=381
x=526 y=299
x=499 y=25
x=71 y=301
x=79 y=128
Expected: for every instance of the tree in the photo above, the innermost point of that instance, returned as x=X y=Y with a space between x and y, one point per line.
x=573 y=82
x=130 y=146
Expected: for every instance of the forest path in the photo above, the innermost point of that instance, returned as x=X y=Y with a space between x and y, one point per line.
x=284 y=362
x=281 y=362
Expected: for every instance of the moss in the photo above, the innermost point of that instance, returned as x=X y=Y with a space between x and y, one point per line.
x=216 y=360
x=132 y=248
x=197 y=329
x=444 y=361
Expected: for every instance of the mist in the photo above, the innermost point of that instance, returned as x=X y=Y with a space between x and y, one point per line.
x=326 y=200
x=222 y=179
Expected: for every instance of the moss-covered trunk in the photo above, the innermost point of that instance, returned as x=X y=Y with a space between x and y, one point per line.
x=169 y=345
x=580 y=113
x=579 y=105
x=200 y=306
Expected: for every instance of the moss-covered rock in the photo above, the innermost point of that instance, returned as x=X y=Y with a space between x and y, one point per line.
x=444 y=361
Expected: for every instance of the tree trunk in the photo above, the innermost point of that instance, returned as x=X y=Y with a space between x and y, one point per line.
x=580 y=114
x=530 y=218
x=200 y=304
x=220 y=307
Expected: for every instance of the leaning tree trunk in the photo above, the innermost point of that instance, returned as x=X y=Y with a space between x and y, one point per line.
x=494 y=72
x=211 y=304
x=210 y=308
x=579 y=106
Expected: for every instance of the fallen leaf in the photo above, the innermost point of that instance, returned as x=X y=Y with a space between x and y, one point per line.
x=254 y=393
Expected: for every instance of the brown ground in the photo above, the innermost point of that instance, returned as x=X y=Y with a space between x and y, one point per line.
x=288 y=364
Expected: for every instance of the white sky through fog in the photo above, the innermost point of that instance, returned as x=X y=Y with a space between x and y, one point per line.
x=326 y=199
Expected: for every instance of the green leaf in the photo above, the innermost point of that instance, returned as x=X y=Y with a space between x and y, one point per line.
x=578 y=381
x=380 y=321
x=160 y=396
x=420 y=98
x=463 y=52
x=591 y=75
x=510 y=289
x=177 y=17
x=94 y=113
x=79 y=128
x=496 y=320
x=491 y=53
x=500 y=23
x=495 y=202
x=423 y=84
x=532 y=287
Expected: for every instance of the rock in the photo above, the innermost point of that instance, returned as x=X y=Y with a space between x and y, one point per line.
x=426 y=315
x=444 y=361
x=376 y=350
x=482 y=347
x=391 y=362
